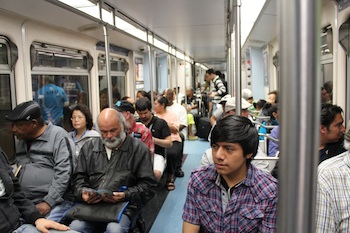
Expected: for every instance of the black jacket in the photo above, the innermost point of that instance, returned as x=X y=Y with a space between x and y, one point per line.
x=13 y=204
x=129 y=166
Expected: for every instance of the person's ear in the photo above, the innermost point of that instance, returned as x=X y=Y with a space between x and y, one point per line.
x=248 y=156
x=323 y=129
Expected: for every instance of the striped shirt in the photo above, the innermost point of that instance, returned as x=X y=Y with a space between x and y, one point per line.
x=219 y=88
x=333 y=195
x=250 y=207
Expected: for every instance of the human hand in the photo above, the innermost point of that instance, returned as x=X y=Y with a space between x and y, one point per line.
x=43 y=225
x=43 y=208
x=90 y=197
x=117 y=197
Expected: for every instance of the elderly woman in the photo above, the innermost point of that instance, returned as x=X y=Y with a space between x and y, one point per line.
x=81 y=121
x=173 y=152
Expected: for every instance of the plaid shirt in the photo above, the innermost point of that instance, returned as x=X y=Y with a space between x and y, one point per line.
x=140 y=131
x=333 y=195
x=251 y=208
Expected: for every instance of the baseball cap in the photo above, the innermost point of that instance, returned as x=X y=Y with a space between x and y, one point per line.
x=247 y=94
x=231 y=104
x=225 y=98
x=124 y=106
x=25 y=111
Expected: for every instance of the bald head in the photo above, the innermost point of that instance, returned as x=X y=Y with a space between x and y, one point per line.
x=108 y=115
x=111 y=126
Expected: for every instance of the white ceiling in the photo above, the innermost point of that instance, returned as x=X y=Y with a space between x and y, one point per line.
x=196 y=27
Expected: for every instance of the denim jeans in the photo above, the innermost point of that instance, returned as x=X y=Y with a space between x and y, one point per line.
x=28 y=228
x=112 y=227
x=59 y=211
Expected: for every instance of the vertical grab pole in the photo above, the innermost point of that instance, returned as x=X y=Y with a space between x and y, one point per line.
x=108 y=66
x=151 y=73
x=237 y=31
x=300 y=114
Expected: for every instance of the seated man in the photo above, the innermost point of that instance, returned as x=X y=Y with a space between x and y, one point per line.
x=44 y=149
x=15 y=205
x=192 y=112
x=333 y=182
x=161 y=134
x=135 y=130
x=231 y=195
x=331 y=131
x=111 y=162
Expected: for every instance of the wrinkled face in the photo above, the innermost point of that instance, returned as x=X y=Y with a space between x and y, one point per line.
x=23 y=130
x=145 y=116
x=335 y=131
x=229 y=159
x=112 y=133
x=271 y=98
x=78 y=120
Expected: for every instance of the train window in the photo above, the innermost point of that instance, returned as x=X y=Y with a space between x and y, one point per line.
x=119 y=67
x=8 y=58
x=60 y=79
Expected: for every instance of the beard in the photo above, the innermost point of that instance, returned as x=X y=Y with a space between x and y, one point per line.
x=114 y=142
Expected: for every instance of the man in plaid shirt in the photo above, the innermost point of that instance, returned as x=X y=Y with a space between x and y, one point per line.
x=232 y=195
x=333 y=196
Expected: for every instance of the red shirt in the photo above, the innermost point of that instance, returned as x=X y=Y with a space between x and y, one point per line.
x=141 y=132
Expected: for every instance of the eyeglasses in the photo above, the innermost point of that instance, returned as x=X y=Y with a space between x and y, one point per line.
x=76 y=118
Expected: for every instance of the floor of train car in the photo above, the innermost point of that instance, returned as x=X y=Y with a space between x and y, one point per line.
x=160 y=214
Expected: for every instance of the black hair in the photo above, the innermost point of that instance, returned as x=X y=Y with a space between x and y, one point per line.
x=237 y=129
x=268 y=109
x=86 y=111
x=210 y=71
x=143 y=104
x=328 y=113
x=162 y=100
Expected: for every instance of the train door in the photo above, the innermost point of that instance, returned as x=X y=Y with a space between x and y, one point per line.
x=119 y=67
x=59 y=71
x=8 y=58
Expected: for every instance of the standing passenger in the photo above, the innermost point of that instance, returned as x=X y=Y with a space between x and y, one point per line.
x=44 y=155
x=52 y=99
x=160 y=132
x=231 y=195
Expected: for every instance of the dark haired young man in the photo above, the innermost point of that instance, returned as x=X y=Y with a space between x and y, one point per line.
x=160 y=132
x=331 y=131
x=232 y=195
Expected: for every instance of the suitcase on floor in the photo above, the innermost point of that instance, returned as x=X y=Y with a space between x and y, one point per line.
x=204 y=128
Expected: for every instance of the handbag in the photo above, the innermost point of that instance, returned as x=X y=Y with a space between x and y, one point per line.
x=98 y=212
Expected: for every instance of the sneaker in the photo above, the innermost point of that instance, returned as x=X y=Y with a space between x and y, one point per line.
x=191 y=138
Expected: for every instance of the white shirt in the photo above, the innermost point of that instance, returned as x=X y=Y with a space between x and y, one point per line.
x=181 y=113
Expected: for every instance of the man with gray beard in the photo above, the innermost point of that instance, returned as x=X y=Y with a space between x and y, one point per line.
x=116 y=162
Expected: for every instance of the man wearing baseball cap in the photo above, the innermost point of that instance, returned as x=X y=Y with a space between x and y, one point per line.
x=44 y=156
x=135 y=129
